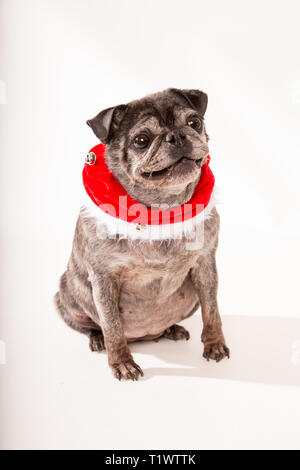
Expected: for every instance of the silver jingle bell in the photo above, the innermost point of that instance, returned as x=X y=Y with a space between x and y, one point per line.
x=90 y=159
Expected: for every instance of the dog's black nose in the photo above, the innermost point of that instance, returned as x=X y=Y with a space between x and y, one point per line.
x=175 y=138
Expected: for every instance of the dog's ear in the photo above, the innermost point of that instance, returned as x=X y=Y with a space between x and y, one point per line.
x=195 y=98
x=104 y=124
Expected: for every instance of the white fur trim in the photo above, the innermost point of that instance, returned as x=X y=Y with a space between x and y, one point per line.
x=109 y=226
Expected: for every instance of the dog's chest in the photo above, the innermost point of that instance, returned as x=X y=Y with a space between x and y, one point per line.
x=157 y=269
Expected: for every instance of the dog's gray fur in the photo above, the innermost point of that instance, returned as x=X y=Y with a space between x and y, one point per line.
x=118 y=291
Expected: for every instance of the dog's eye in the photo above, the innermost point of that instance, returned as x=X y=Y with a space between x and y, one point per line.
x=141 y=141
x=195 y=123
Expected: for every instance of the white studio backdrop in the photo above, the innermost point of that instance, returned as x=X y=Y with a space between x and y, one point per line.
x=62 y=61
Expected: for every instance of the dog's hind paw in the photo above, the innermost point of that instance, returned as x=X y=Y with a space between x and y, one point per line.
x=176 y=332
x=96 y=341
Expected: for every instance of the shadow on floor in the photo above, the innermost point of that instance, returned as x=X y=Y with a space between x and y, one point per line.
x=263 y=350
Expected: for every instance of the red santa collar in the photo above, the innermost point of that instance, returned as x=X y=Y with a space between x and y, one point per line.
x=125 y=216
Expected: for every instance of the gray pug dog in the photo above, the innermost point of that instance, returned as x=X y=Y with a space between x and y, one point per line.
x=119 y=290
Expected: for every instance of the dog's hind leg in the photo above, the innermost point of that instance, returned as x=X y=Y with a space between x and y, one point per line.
x=82 y=323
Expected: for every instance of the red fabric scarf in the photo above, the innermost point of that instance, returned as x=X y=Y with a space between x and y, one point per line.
x=105 y=191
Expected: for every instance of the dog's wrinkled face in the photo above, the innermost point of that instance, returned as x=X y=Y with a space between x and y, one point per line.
x=157 y=145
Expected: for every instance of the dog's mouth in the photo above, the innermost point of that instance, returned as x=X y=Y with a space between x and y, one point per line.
x=183 y=166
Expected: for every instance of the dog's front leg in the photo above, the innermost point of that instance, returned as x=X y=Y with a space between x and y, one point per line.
x=205 y=278
x=106 y=298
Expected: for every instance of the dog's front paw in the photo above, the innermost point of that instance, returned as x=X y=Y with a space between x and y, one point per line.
x=127 y=370
x=216 y=351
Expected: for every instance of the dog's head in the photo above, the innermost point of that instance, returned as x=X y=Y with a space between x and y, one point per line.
x=156 y=145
